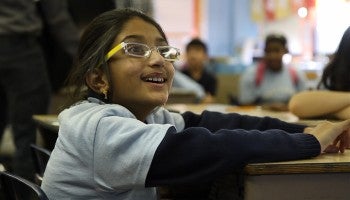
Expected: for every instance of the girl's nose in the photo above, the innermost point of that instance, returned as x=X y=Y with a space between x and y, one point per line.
x=156 y=59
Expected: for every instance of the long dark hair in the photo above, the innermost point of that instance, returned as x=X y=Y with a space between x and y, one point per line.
x=95 y=43
x=336 y=74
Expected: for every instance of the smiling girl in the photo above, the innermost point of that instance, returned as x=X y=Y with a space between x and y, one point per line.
x=118 y=142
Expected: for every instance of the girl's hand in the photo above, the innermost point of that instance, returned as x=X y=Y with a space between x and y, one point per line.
x=331 y=135
x=339 y=144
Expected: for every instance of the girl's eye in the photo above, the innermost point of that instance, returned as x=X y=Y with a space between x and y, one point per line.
x=137 y=49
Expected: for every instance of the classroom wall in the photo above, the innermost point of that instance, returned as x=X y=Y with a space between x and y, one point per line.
x=230 y=26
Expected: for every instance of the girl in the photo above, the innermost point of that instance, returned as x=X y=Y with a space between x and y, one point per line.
x=333 y=102
x=118 y=142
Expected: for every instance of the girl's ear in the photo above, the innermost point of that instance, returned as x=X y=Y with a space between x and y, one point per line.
x=97 y=80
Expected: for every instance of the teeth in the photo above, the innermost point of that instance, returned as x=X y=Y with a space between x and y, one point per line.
x=154 y=79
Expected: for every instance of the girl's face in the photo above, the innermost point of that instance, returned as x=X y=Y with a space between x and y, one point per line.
x=140 y=84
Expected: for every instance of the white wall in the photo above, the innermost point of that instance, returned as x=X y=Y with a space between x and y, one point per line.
x=176 y=18
x=332 y=20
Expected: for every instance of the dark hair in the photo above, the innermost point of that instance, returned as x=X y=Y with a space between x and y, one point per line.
x=336 y=74
x=197 y=43
x=276 y=38
x=95 y=43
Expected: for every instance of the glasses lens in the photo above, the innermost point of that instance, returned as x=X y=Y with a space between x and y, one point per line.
x=169 y=53
x=138 y=50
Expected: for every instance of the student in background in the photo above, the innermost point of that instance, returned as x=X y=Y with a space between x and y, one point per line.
x=332 y=99
x=118 y=142
x=182 y=81
x=23 y=77
x=271 y=82
x=195 y=67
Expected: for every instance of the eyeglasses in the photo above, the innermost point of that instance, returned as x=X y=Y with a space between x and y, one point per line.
x=143 y=51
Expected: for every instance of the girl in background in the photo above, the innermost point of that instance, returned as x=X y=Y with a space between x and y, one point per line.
x=332 y=100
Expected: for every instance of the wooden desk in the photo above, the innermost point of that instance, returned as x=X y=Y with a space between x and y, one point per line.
x=245 y=110
x=324 y=177
x=48 y=121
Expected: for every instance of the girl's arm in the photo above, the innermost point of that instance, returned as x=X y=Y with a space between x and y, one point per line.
x=310 y=104
x=197 y=155
x=343 y=114
x=215 y=121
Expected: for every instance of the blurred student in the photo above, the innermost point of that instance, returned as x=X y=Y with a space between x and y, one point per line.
x=271 y=82
x=23 y=77
x=195 y=67
x=332 y=99
x=182 y=81
x=118 y=142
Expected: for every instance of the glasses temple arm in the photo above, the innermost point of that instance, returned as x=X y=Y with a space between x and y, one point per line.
x=114 y=50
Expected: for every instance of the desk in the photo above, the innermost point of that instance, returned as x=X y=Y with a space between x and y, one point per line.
x=48 y=121
x=244 y=110
x=324 y=177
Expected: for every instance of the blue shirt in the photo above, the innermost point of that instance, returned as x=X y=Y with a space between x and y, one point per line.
x=274 y=87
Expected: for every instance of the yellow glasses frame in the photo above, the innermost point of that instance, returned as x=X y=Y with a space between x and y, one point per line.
x=172 y=54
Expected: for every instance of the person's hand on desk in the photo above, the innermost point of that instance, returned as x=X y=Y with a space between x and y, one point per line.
x=333 y=137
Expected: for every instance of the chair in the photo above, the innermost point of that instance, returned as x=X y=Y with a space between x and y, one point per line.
x=14 y=187
x=47 y=126
x=179 y=95
x=40 y=158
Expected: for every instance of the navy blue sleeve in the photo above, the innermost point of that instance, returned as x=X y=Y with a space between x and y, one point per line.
x=215 y=121
x=198 y=155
